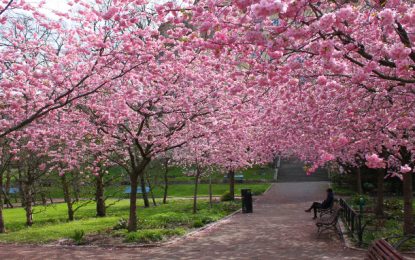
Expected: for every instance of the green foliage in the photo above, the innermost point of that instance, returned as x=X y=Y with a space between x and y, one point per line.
x=227 y=196
x=51 y=222
x=152 y=235
x=121 y=224
x=342 y=190
x=202 y=221
x=393 y=204
x=198 y=223
x=78 y=236
x=355 y=200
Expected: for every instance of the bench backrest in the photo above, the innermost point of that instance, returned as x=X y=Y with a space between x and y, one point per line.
x=381 y=249
x=333 y=217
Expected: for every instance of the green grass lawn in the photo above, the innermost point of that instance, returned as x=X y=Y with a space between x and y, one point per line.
x=174 y=190
x=257 y=172
x=155 y=223
x=187 y=190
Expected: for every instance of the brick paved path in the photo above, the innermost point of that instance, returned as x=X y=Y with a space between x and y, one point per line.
x=278 y=229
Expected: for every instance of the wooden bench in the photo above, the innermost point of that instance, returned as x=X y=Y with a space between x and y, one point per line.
x=329 y=221
x=382 y=250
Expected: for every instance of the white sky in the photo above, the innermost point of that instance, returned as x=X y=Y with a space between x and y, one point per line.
x=59 y=5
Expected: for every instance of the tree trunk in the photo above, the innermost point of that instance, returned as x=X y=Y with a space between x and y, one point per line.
x=67 y=197
x=2 y=227
x=195 y=193
x=359 y=180
x=143 y=190
x=33 y=194
x=210 y=191
x=132 y=221
x=231 y=176
x=7 y=187
x=76 y=187
x=43 y=197
x=408 y=219
x=380 y=190
x=151 y=191
x=28 y=205
x=166 y=181
x=99 y=196
x=21 y=188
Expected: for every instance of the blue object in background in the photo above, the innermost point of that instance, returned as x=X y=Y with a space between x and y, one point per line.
x=13 y=190
x=128 y=190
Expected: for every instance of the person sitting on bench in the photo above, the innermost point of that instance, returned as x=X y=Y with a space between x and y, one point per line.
x=327 y=203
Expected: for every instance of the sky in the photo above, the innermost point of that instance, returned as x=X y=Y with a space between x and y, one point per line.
x=59 y=5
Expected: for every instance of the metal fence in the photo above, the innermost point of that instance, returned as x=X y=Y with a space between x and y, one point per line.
x=353 y=221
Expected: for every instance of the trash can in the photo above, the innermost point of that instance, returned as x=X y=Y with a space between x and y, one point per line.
x=246 y=200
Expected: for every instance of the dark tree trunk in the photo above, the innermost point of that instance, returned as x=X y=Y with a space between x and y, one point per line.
x=28 y=205
x=21 y=188
x=380 y=190
x=43 y=197
x=33 y=194
x=166 y=180
x=67 y=197
x=99 y=196
x=195 y=192
x=151 y=190
x=76 y=187
x=359 y=180
x=408 y=219
x=143 y=190
x=2 y=227
x=210 y=192
x=7 y=187
x=132 y=221
x=231 y=176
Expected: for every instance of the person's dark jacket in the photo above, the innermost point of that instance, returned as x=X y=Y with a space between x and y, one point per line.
x=328 y=202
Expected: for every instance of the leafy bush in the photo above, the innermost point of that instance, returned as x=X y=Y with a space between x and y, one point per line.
x=166 y=220
x=207 y=220
x=393 y=204
x=152 y=235
x=198 y=223
x=203 y=220
x=121 y=224
x=356 y=199
x=78 y=237
x=226 y=196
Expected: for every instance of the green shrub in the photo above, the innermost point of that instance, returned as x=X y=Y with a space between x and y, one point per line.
x=226 y=196
x=356 y=199
x=152 y=235
x=171 y=217
x=393 y=204
x=78 y=237
x=121 y=224
x=207 y=220
x=198 y=223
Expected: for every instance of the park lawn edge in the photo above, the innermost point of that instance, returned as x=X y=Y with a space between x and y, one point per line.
x=105 y=226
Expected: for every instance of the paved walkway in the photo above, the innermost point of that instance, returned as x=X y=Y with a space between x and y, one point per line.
x=278 y=229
